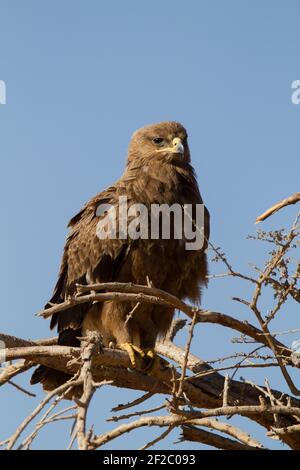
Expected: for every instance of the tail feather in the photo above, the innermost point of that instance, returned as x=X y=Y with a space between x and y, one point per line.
x=52 y=378
x=49 y=378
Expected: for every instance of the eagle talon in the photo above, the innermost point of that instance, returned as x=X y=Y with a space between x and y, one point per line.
x=134 y=352
x=151 y=361
x=146 y=360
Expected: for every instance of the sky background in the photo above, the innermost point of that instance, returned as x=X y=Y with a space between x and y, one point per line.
x=81 y=77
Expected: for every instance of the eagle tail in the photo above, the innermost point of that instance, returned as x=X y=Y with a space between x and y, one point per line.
x=52 y=378
x=49 y=378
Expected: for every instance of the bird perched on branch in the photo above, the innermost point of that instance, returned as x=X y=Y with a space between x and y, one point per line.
x=158 y=172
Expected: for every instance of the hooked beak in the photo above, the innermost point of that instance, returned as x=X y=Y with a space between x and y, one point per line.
x=177 y=147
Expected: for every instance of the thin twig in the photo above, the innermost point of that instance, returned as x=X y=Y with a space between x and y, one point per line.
x=135 y=402
x=136 y=413
x=225 y=390
x=158 y=439
x=58 y=391
x=21 y=389
x=186 y=356
x=279 y=205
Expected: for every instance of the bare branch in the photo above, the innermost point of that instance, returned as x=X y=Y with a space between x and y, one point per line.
x=285 y=202
x=138 y=401
x=90 y=345
x=63 y=389
x=191 y=433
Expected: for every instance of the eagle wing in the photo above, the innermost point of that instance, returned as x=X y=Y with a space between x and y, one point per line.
x=87 y=259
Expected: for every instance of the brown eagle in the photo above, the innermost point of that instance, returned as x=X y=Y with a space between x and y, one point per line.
x=158 y=171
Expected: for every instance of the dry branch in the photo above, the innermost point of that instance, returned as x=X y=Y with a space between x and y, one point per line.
x=191 y=433
x=201 y=392
x=175 y=420
x=285 y=202
x=127 y=292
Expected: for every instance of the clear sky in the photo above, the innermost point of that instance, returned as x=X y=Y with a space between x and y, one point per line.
x=81 y=77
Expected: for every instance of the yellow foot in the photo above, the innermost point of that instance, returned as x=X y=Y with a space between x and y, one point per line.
x=146 y=360
x=136 y=354
x=151 y=361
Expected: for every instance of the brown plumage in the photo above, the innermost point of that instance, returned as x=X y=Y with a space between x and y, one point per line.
x=155 y=173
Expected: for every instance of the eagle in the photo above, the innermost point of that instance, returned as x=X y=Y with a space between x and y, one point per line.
x=158 y=172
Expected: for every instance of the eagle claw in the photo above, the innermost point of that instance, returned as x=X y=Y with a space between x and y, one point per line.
x=135 y=353
x=151 y=361
x=144 y=360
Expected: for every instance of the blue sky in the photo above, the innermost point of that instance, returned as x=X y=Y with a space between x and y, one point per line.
x=81 y=77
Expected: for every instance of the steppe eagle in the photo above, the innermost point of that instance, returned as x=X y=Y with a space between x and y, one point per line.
x=158 y=171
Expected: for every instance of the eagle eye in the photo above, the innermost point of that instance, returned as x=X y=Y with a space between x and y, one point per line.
x=157 y=140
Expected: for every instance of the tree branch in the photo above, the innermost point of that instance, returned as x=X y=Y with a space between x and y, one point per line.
x=285 y=202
